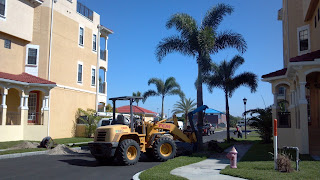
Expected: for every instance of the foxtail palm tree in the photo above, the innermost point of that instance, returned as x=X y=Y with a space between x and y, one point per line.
x=167 y=88
x=138 y=93
x=184 y=106
x=199 y=42
x=223 y=76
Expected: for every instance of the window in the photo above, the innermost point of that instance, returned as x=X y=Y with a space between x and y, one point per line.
x=282 y=91
x=303 y=36
x=93 y=76
x=7 y=44
x=303 y=40
x=32 y=55
x=3 y=8
x=80 y=72
x=32 y=105
x=94 y=42
x=81 y=32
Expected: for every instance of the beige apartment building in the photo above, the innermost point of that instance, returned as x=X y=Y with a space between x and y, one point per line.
x=296 y=87
x=50 y=59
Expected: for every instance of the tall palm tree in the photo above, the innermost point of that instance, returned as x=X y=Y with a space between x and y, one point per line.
x=199 y=41
x=184 y=106
x=167 y=88
x=138 y=93
x=223 y=76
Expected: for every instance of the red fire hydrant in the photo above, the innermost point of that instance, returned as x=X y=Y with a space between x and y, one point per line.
x=232 y=155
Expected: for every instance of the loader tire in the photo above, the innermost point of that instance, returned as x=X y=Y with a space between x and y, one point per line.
x=128 y=152
x=164 y=148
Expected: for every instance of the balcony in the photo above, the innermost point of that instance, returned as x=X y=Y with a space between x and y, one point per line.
x=85 y=11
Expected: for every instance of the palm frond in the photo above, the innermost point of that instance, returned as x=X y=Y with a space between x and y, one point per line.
x=148 y=94
x=176 y=92
x=244 y=79
x=184 y=23
x=235 y=62
x=173 y=44
x=159 y=84
x=228 y=39
x=215 y=15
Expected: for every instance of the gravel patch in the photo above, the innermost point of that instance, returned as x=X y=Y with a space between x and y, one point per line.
x=62 y=149
x=25 y=145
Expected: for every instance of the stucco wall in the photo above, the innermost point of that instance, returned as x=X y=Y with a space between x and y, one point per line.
x=63 y=106
x=19 y=19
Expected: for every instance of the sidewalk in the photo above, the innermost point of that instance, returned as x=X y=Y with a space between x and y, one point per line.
x=211 y=167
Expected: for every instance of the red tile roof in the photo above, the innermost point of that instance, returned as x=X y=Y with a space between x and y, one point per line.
x=135 y=110
x=306 y=57
x=275 y=73
x=25 y=77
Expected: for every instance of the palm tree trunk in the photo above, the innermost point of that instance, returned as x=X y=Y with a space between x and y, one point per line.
x=199 y=103
x=228 y=117
x=162 y=107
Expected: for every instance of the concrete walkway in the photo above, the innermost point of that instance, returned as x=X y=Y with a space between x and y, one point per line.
x=211 y=167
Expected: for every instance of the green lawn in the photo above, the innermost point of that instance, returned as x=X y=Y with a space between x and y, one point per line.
x=257 y=163
x=162 y=171
x=9 y=144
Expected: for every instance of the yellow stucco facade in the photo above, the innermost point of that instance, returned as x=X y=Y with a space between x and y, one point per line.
x=296 y=87
x=59 y=57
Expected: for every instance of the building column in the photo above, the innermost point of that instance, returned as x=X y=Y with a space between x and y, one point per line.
x=45 y=110
x=274 y=109
x=4 y=107
x=24 y=109
x=303 y=119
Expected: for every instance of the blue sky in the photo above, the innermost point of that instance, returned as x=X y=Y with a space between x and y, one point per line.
x=139 y=26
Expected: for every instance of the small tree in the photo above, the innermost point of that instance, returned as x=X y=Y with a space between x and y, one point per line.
x=138 y=93
x=234 y=120
x=262 y=120
x=184 y=106
x=89 y=118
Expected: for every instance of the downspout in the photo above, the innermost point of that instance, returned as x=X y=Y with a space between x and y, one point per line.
x=49 y=61
x=97 y=68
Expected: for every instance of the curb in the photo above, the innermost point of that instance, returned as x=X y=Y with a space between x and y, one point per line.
x=17 y=155
x=136 y=176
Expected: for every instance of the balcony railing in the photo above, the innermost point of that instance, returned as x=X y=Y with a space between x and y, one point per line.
x=13 y=118
x=284 y=119
x=102 y=87
x=85 y=11
x=103 y=54
x=35 y=118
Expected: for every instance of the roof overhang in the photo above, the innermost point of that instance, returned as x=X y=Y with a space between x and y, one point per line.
x=125 y=98
x=104 y=31
x=27 y=84
x=312 y=7
x=36 y=2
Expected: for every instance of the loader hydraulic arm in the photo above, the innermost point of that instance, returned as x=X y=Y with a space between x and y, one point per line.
x=190 y=117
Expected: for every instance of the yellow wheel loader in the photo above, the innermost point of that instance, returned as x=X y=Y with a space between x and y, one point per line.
x=125 y=141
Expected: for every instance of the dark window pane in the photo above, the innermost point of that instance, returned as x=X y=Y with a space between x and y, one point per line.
x=81 y=36
x=94 y=41
x=2 y=7
x=79 y=73
x=7 y=44
x=32 y=56
x=93 y=77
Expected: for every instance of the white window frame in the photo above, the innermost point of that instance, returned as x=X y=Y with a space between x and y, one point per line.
x=81 y=26
x=302 y=28
x=95 y=75
x=95 y=51
x=27 y=52
x=79 y=82
x=5 y=11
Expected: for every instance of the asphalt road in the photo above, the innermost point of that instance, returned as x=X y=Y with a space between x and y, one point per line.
x=82 y=166
x=60 y=167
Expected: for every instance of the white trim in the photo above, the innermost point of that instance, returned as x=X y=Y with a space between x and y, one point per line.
x=302 y=28
x=94 y=51
x=5 y=11
x=79 y=82
x=312 y=70
x=81 y=26
x=27 y=51
x=95 y=80
x=75 y=89
x=25 y=83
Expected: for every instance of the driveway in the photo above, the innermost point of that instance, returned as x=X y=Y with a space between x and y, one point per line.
x=82 y=166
